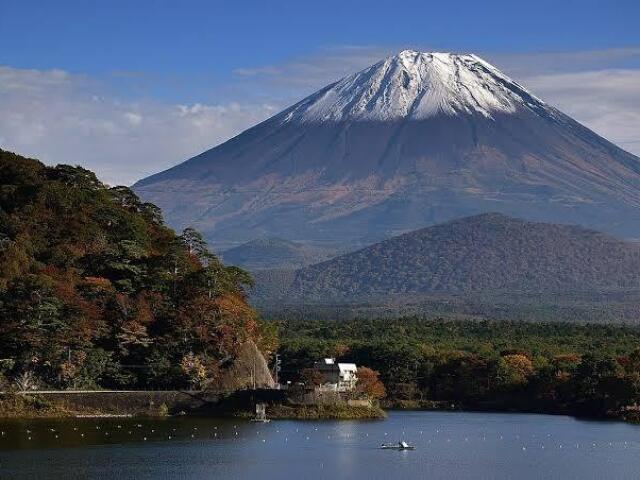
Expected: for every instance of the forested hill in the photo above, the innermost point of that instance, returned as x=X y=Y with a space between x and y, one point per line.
x=484 y=253
x=95 y=291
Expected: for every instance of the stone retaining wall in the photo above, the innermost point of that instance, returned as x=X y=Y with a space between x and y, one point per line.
x=129 y=402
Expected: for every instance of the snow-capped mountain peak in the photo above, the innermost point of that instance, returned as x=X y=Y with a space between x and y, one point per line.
x=416 y=139
x=416 y=85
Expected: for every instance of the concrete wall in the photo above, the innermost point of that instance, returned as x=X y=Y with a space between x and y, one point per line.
x=327 y=397
x=126 y=402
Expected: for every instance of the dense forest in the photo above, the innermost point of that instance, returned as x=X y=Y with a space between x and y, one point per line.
x=485 y=253
x=95 y=291
x=574 y=307
x=591 y=370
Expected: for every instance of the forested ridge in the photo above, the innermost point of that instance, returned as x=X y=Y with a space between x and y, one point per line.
x=484 y=253
x=95 y=291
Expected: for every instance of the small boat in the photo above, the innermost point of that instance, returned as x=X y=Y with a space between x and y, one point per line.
x=397 y=446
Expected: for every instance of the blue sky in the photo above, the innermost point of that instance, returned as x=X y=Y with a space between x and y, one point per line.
x=121 y=76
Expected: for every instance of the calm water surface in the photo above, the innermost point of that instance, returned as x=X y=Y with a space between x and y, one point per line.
x=449 y=446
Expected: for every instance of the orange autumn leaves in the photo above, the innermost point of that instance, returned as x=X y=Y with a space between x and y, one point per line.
x=96 y=291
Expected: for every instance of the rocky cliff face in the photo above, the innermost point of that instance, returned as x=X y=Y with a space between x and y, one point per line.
x=249 y=370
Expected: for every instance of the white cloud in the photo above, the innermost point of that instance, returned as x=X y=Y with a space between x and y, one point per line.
x=134 y=119
x=528 y=64
x=301 y=76
x=63 y=118
x=606 y=101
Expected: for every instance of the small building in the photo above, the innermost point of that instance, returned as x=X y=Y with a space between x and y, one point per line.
x=340 y=377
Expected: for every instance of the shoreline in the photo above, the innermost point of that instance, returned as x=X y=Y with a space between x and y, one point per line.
x=631 y=416
x=42 y=405
x=320 y=412
x=26 y=406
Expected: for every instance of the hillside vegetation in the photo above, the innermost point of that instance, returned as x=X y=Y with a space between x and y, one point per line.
x=484 y=253
x=275 y=253
x=590 y=370
x=575 y=307
x=95 y=291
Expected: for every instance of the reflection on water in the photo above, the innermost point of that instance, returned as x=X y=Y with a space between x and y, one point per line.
x=449 y=445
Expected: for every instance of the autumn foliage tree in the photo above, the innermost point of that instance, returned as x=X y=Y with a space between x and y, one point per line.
x=369 y=383
x=513 y=370
x=96 y=291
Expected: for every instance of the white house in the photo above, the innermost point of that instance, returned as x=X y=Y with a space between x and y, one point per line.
x=341 y=377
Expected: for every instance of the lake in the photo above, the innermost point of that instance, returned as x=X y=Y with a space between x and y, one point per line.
x=449 y=445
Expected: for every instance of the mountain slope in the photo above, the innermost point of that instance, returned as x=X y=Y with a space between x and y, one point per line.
x=484 y=253
x=413 y=140
x=275 y=253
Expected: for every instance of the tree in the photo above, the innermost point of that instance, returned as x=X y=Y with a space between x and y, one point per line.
x=600 y=386
x=513 y=371
x=369 y=383
x=339 y=350
x=26 y=381
x=194 y=369
x=195 y=243
x=312 y=377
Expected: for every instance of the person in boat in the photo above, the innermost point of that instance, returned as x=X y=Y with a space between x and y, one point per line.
x=400 y=445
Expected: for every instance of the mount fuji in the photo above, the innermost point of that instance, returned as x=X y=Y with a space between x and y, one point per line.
x=414 y=140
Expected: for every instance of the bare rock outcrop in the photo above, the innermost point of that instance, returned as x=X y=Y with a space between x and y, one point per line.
x=249 y=370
